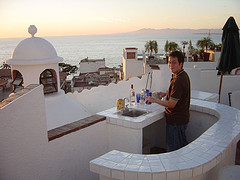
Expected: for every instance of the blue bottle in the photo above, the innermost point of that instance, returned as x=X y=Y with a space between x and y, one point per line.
x=148 y=93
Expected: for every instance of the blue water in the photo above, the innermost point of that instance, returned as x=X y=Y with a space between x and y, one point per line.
x=75 y=48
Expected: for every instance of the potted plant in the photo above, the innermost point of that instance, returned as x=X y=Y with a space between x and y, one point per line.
x=212 y=46
x=201 y=46
x=195 y=53
x=218 y=47
x=205 y=43
x=201 y=53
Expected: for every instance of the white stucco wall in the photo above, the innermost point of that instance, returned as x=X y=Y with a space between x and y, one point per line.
x=210 y=82
x=23 y=137
x=62 y=109
x=103 y=97
x=69 y=156
x=202 y=80
x=235 y=99
x=26 y=152
x=161 y=79
x=203 y=65
x=124 y=139
x=132 y=67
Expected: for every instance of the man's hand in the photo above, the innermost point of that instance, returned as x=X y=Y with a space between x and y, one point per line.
x=171 y=103
x=149 y=99
x=161 y=94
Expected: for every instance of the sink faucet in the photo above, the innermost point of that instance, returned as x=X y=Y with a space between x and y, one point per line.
x=150 y=73
x=125 y=108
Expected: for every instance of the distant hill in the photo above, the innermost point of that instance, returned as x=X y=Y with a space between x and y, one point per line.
x=176 y=31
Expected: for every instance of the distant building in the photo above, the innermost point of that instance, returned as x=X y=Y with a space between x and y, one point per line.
x=93 y=73
x=64 y=83
x=5 y=83
x=136 y=65
x=103 y=76
x=91 y=65
x=5 y=76
x=132 y=66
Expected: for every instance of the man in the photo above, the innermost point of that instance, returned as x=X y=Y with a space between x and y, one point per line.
x=176 y=104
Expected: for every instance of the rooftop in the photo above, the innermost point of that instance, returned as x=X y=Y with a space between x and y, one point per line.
x=91 y=60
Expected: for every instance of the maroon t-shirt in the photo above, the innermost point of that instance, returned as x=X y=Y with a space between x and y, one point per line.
x=179 y=89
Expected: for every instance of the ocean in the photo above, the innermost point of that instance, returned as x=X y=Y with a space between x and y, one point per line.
x=75 y=48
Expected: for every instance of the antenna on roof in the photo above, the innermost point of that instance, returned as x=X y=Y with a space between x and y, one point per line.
x=209 y=33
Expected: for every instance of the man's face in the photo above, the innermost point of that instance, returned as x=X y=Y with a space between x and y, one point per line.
x=174 y=65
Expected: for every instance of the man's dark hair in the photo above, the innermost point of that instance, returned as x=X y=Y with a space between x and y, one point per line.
x=179 y=56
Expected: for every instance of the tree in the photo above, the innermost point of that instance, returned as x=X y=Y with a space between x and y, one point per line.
x=204 y=43
x=216 y=47
x=173 y=46
x=166 y=47
x=151 y=46
x=184 y=43
x=67 y=68
x=200 y=44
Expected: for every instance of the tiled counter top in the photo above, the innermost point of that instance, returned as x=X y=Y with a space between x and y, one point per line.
x=213 y=149
x=156 y=112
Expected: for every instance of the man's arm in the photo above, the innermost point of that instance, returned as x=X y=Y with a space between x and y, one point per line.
x=171 y=103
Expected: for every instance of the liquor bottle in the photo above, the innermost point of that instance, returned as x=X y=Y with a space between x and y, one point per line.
x=132 y=95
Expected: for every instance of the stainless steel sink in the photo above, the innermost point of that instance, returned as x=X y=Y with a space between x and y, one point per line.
x=133 y=113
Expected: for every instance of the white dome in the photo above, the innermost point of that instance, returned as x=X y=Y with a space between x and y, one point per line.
x=34 y=50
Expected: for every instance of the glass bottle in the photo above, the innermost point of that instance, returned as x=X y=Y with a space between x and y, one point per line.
x=132 y=95
x=142 y=97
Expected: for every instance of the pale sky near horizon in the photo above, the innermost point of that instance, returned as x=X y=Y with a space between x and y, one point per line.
x=90 y=17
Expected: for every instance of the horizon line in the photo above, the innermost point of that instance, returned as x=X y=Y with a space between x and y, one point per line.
x=121 y=33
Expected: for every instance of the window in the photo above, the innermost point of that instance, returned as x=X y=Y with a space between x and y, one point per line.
x=49 y=81
x=18 y=81
x=131 y=55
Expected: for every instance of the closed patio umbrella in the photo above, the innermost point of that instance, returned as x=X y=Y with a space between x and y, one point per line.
x=230 y=54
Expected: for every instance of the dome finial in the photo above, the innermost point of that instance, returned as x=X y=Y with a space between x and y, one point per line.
x=32 y=30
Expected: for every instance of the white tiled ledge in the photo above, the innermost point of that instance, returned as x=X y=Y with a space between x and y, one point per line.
x=206 y=96
x=193 y=160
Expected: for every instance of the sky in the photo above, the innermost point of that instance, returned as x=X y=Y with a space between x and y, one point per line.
x=94 y=17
